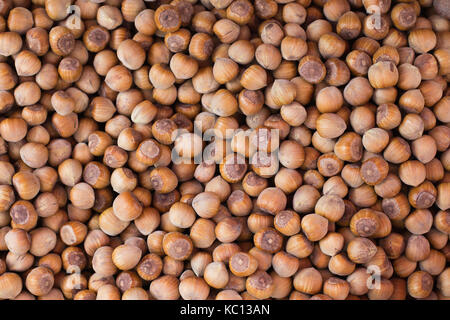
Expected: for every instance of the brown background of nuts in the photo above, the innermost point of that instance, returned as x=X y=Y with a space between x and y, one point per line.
x=340 y=191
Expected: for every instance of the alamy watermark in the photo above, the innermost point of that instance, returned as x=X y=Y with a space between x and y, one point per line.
x=260 y=146
x=375 y=20
x=374 y=280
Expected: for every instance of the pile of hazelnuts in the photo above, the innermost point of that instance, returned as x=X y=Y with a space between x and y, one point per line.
x=224 y=149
